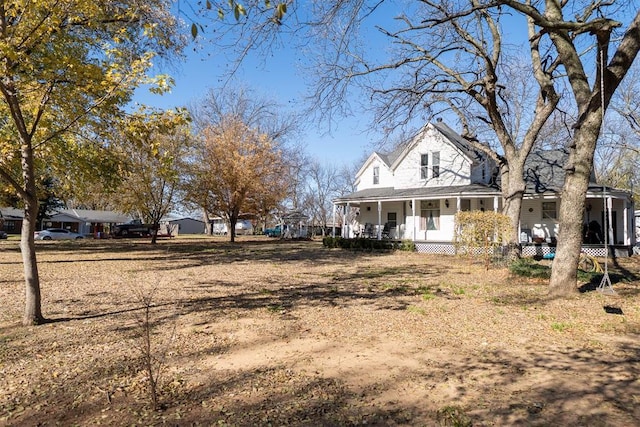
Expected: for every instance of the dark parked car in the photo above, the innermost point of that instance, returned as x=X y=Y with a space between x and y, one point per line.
x=132 y=229
x=3 y=234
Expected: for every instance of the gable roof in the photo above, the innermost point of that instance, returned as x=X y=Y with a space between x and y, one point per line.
x=11 y=213
x=79 y=215
x=457 y=140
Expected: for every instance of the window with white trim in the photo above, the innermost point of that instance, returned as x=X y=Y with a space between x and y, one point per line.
x=424 y=166
x=376 y=175
x=429 y=215
x=435 y=165
x=549 y=210
x=435 y=168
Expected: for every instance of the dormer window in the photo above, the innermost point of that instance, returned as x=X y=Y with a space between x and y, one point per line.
x=435 y=165
x=376 y=175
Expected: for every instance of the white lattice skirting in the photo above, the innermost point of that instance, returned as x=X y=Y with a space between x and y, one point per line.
x=435 y=248
x=445 y=248
x=541 y=250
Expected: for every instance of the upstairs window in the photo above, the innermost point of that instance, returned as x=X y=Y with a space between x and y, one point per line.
x=424 y=166
x=435 y=159
x=376 y=175
x=435 y=165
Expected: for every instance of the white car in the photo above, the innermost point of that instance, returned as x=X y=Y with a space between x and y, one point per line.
x=57 y=234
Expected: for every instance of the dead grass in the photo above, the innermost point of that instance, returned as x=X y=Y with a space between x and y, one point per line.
x=266 y=332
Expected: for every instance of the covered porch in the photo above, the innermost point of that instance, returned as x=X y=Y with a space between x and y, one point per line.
x=419 y=215
x=427 y=218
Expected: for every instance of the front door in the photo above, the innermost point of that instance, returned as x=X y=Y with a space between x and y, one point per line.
x=392 y=224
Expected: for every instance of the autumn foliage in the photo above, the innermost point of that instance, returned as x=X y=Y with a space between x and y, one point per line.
x=239 y=170
x=481 y=233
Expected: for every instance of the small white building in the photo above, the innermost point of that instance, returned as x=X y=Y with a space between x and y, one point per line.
x=184 y=225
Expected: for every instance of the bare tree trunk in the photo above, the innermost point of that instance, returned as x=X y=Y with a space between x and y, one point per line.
x=208 y=227
x=33 y=302
x=233 y=220
x=565 y=264
x=513 y=186
x=155 y=227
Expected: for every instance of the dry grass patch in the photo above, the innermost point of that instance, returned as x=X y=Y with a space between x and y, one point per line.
x=267 y=332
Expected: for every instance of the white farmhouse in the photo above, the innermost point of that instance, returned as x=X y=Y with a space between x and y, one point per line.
x=414 y=192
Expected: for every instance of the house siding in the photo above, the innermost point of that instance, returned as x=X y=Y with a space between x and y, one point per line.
x=455 y=168
x=366 y=178
x=531 y=219
x=482 y=172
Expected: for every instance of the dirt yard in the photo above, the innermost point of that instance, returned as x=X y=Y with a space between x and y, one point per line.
x=266 y=332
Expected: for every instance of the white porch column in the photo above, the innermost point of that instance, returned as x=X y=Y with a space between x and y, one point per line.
x=495 y=203
x=609 y=224
x=333 y=228
x=346 y=227
x=458 y=204
x=413 y=214
x=379 y=220
x=625 y=214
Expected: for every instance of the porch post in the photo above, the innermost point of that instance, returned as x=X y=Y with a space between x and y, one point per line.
x=346 y=227
x=333 y=227
x=458 y=204
x=495 y=203
x=379 y=220
x=625 y=214
x=413 y=214
x=609 y=225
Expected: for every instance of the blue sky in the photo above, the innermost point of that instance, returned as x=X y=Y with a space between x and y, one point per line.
x=279 y=77
x=275 y=77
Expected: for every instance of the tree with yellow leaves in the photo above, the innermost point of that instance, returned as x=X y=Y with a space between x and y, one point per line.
x=67 y=68
x=238 y=169
x=154 y=148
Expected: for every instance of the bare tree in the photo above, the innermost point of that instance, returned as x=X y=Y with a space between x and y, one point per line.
x=617 y=159
x=617 y=156
x=322 y=187
x=454 y=54
x=594 y=25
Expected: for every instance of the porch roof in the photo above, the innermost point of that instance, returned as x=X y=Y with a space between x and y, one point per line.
x=391 y=193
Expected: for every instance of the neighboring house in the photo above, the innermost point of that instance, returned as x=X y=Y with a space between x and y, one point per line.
x=83 y=221
x=414 y=192
x=12 y=220
x=218 y=226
